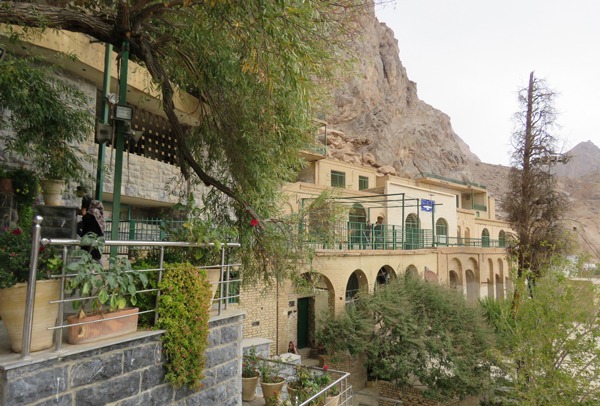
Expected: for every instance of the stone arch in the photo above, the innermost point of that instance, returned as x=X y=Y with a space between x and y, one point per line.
x=499 y=288
x=431 y=276
x=412 y=271
x=385 y=275
x=485 y=238
x=472 y=285
x=490 y=278
x=455 y=274
x=357 y=281
x=321 y=302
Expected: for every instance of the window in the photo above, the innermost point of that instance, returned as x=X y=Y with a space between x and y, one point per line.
x=363 y=183
x=338 y=179
x=485 y=238
x=441 y=231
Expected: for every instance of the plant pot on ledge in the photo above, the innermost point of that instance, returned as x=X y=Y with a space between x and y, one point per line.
x=272 y=392
x=52 y=190
x=112 y=325
x=249 y=388
x=12 y=311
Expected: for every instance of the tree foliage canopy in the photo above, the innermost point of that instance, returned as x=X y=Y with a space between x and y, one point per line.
x=260 y=70
x=421 y=333
x=549 y=351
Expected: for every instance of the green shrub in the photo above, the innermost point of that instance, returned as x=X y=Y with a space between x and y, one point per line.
x=183 y=309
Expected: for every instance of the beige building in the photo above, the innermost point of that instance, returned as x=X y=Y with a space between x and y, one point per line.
x=439 y=229
x=442 y=230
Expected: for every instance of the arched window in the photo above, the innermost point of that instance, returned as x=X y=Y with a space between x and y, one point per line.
x=357 y=227
x=352 y=288
x=485 y=238
x=502 y=238
x=412 y=232
x=453 y=280
x=441 y=231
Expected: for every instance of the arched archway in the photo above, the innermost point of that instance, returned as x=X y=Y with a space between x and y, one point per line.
x=441 y=231
x=472 y=286
x=485 y=238
x=412 y=232
x=356 y=282
x=490 y=279
x=357 y=227
x=502 y=238
x=412 y=271
x=309 y=307
x=453 y=279
x=499 y=288
x=455 y=274
x=384 y=275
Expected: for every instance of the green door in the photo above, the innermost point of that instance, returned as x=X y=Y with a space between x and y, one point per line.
x=303 y=317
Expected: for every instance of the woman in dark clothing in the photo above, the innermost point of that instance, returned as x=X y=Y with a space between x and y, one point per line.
x=92 y=221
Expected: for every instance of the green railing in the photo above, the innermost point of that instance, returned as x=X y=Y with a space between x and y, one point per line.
x=361 y=236
x=344 y=236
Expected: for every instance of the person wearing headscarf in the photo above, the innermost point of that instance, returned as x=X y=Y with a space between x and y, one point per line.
x=92 y=221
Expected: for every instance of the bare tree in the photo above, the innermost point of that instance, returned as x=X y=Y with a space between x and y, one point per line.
x=533 y=203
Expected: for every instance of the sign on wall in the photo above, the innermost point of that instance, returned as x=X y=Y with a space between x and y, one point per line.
x=427 y=205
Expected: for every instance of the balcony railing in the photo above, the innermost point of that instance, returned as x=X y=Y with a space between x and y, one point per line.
x=339 y=379
x=228 y=290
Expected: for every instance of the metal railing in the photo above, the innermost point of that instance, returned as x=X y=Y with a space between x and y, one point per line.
x=339 y=380
x=228 y=285
x=362 y=236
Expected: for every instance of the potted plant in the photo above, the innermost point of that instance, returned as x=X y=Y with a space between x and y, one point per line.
x=271 y=382
x=104 y=293
x=332 y=396
x=302 y=385
x=15 y=254
x=249 y=375
x=6 y=186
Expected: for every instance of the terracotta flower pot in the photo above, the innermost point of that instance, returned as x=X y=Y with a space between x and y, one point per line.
x=110 y=327
x=249 y=388
x=332 y=400
x=272 y=392
x=12 y=311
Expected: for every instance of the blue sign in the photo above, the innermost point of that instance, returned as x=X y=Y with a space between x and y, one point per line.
x=427 y=205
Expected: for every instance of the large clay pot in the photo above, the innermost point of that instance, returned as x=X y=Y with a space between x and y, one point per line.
x=214 y=276
x=52 y=191
x=109 y=327
x=12 y=311
x=249 y=388
x=272 y=392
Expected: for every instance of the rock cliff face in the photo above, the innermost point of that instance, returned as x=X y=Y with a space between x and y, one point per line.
x=378 y=120
x=379 y=111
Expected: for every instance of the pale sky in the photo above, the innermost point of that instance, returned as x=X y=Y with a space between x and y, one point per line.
x=470 y=57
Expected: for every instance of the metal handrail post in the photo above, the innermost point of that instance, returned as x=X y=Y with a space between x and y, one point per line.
x=161 y=263
x=29 y=301
x=61 y=305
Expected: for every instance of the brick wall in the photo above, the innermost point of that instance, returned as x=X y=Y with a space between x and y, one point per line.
x=260 y=305
x=355 y=365
x=126 y=373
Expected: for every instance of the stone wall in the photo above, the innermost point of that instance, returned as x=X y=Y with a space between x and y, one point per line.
x=126 y=373
x=414 y=397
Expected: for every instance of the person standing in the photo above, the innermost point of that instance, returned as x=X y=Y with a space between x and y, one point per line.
x=92 y=221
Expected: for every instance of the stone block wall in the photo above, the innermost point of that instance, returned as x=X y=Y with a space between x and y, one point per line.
x=127 y=373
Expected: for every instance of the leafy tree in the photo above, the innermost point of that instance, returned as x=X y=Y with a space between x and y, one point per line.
x=48 y=119
x=260 y=70
x=422 y=333
x=534 y=205
x=548 y=351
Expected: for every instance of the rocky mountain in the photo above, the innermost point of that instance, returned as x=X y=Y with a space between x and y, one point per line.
x=379 y=120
